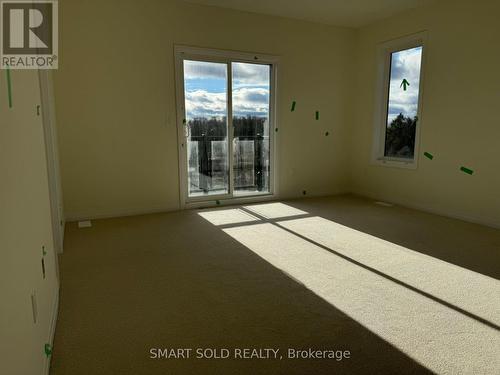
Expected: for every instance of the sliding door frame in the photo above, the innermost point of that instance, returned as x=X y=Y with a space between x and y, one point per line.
x=225 y=57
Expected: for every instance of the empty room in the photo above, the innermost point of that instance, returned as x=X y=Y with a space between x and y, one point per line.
x=249 y=187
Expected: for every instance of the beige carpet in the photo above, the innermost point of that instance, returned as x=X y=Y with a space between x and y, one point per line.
x=403 y=291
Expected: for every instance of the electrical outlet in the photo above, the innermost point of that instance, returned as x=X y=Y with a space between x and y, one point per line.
x=84 y=224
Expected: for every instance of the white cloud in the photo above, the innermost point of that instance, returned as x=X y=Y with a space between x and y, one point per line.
x=246 y=101
x=405 y=65
x=201 y=69
x=203 y=103
x=250 y=100
x=251 y=74
x=250 y=89
x=243 y=73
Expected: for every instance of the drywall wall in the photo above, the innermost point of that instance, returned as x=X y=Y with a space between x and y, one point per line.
x=116 y=104
x=25 y=230
x=459 y=123
x=116 y=108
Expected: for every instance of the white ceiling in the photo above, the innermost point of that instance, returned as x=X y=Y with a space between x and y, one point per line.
x=351 y=13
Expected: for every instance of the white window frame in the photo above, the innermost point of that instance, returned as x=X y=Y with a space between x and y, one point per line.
x=384 y=54
x=182 y=53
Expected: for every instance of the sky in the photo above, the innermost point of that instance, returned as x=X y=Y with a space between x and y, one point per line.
x=205 y=85
x=404 y=65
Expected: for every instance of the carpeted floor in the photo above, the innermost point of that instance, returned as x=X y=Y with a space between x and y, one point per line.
x=404 y=292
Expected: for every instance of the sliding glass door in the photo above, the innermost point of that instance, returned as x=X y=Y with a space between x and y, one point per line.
x=251 y=133
x=206 y=103
x=225 y=126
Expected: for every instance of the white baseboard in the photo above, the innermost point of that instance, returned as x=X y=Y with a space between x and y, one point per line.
x=52 y=330
x=73 y=216
x=421 y=207
x=70 y=217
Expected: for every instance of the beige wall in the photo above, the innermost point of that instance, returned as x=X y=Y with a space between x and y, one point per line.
x=25 y=226
x=115 y=99
x=116 y=104
x=460 y=123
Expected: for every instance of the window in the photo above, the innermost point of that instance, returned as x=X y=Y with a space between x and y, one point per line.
x=398 y=116
x=225 y=117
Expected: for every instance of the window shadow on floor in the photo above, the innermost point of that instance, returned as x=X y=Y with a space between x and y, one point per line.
x=398 y=293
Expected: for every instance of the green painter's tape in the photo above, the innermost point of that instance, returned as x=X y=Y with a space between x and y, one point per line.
x=48 y=349
x=428 y=155
x=9 y=87
x=293 y=106
x=466 y=170
x=317 y=115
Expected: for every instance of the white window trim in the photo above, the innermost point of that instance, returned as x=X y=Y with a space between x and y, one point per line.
x=182 y=52
x=384 y=52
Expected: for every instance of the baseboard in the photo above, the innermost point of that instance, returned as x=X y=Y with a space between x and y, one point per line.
x=70 y=217
x=52 y=330
x=464 y=217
